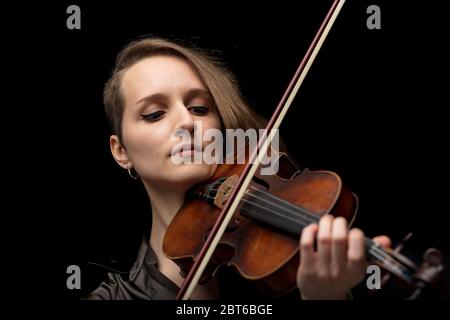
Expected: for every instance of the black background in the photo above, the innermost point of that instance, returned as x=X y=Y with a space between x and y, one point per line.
x=372 y=109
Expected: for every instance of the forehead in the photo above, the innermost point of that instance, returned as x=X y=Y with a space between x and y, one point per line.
x=158 y=74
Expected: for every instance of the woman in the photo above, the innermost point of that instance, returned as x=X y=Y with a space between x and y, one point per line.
x=157 y=89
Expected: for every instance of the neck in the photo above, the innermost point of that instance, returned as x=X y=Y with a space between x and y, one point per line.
x=165 y=204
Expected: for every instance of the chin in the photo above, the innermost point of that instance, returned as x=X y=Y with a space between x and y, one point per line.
x=192 y=174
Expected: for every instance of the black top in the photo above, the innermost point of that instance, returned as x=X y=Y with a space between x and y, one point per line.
x=145 y=282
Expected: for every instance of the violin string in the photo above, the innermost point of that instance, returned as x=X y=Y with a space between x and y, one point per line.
x=376 y=251
x=299 y=218
x=392 y=265
x=314 y=218
x=381 y=255
x=295 y=213
x=304 y=214
x=296 y=220
x=385 y=257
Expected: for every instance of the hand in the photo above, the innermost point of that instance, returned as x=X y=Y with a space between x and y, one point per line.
x=339 y=263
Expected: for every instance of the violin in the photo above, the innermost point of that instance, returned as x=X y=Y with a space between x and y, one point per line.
x=252 y=222
x=261 y=240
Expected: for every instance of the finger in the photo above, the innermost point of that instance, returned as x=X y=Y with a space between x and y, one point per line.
x=338 y=246
x=356 y=252
x=383 y=241
x=324 y=245
x=307 y=254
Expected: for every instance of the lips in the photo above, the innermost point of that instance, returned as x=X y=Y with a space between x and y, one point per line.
x=185 y=149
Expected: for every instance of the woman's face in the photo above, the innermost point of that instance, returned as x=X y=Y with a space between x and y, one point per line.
x=163 y=94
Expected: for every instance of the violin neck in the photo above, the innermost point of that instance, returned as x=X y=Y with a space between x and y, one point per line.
x=391 y=261
x=275 y=212
x=291 y=219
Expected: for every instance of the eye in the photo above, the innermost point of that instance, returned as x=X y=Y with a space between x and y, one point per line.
x=153 y=116
x=199 y=110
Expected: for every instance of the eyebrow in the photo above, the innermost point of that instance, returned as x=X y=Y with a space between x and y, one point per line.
x=192 y=93
x=197 y=92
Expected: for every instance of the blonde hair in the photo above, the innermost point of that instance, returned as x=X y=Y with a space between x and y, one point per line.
x=233 y=111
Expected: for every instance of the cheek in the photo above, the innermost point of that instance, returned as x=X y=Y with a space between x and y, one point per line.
x=146 y=144
x=212 y=122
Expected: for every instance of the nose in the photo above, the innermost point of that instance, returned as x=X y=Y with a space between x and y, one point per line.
x=185 y=120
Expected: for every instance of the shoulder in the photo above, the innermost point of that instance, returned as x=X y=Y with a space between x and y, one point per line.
x=142 y=282
x=114 y=288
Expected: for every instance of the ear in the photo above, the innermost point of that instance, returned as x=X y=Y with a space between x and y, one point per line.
x=119 y=152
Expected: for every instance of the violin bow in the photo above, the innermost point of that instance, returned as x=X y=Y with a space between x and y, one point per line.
x=256 y=157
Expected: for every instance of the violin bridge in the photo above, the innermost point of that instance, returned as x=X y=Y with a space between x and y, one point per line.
x=224 y=191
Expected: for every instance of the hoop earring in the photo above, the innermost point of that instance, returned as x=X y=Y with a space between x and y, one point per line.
x=134 y=176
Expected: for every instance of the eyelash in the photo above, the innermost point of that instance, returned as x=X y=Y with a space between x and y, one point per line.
x=204 y=110
x=154 y=116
